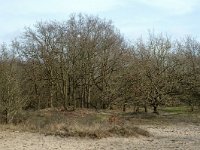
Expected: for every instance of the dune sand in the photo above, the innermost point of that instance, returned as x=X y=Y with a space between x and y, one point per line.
x=179 y=137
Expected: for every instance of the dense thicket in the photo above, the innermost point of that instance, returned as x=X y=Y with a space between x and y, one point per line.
x=85 y=62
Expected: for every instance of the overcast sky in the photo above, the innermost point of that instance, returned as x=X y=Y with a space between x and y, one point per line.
x=134 y=18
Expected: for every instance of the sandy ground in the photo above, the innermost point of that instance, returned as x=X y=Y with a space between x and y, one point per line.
x=176 y=137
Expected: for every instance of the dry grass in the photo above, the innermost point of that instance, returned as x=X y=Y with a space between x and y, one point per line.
x=97 y=131
x=80 y=123
x=88 y=123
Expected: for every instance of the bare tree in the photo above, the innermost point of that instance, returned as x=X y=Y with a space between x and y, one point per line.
x=189 y=72
x=11 y=99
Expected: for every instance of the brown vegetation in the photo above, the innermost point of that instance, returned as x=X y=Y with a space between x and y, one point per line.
x=85 y=64
x=79 y=123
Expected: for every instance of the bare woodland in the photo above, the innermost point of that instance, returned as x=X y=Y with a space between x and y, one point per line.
x=85 y=62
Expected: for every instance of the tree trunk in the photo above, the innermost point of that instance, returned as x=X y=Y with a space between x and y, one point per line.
x=37 y=97
x=155 y=109
x=51 y=99
x=73 y=94
x=145 y=109
x=65 y=94
x=82 y=97
x=124 y=107
x=6 y=115
x=137 y=108
x=88 y=96
x=191 y=108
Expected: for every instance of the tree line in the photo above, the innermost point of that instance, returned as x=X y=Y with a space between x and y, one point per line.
x=85 y=62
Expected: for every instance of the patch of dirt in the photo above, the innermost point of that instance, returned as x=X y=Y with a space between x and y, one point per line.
x=179 y=137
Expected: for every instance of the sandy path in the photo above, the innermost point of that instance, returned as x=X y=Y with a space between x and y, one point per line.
x=180 y=137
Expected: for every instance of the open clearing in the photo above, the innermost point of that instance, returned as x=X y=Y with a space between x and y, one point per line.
x=180 y=136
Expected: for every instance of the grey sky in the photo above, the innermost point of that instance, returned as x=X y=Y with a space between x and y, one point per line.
x=133 y=17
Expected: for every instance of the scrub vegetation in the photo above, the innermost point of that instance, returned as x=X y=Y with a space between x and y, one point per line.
x=81 y=78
